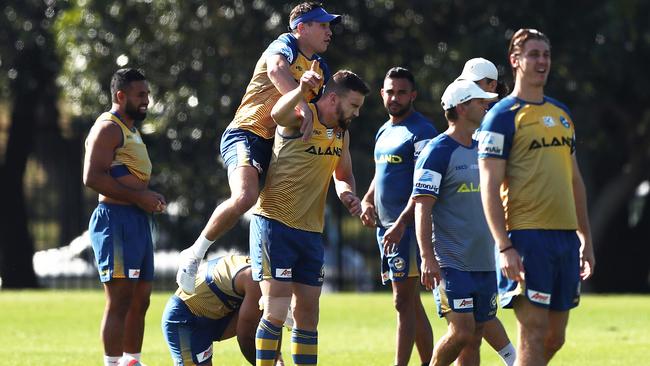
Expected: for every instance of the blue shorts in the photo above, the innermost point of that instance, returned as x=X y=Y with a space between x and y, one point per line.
x=244 y=148
x=467 y=292
x=404 y=262
x=552 y=268
x=189 y=337
x=284 y=253
x=122 y=241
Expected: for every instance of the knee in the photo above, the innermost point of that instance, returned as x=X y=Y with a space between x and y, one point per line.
x=404 y=304
x=243 y=200
x=554 y=342
x=306 y=316
x=463 y=336
x=141 y=304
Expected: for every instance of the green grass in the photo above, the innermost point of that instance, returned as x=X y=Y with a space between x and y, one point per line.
x=62 y=328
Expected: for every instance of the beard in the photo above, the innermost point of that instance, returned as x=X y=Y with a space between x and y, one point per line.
x=400 y=112
x=133 y=112
x=343 y=122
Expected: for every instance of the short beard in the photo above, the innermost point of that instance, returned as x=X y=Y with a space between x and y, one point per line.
x=133 y=112
x=400 y=112
x=343 y=124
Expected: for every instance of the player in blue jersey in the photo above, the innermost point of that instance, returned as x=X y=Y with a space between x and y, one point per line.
x=386 y=207
x=117 y=166
x=246 y=144
x=485 y=74
x=535 y=202
x=461 y=261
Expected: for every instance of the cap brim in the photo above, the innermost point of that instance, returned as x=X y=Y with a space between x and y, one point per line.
x=469 y=76
x=328 y=18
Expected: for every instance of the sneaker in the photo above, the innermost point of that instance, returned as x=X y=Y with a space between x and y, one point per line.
x=188 y=264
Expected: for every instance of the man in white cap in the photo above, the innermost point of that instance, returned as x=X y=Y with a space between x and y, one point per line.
x=460 y=264
x=247 y=142
x=485 y=75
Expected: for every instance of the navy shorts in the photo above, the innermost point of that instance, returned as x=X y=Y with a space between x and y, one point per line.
x=284 y=253
x=244 y=148
x=121 y=236
x=404 y=262
x=552 y=269
x=467 y=292
x=189 y=337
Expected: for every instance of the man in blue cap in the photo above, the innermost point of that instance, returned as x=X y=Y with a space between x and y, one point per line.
x=246 y=143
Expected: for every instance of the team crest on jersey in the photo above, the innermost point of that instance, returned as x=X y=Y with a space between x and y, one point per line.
x=549 y=121
x=564 y=122
x=330 y=133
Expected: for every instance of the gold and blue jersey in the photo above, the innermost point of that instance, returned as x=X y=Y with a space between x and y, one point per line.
x=299 y=175
x=538 y=142
x=215 y=295
x=131 y=154
x=254 y=112
x=397 y=146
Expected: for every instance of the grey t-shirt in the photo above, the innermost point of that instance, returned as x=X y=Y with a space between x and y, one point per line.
x=448 y=171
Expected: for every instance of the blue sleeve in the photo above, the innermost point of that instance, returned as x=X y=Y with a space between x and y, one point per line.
x=430 y=169
x=496 y=134
x=282 y=46
x=420 y=140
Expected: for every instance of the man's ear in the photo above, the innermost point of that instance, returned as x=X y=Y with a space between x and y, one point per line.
x=120 y=95
x=514 y=61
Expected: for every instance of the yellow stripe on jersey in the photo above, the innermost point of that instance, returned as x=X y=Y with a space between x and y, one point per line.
x=133 y=152
x=204 y=302
x=254 y=112
x=538 y=190
x=299 y=176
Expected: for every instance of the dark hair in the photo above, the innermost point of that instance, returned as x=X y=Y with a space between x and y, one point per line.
x=344 y=81
x=522 y=36
x=303 y=8
x=451 y=114
x=502 y=89
x=398 y=72
x=122 y=78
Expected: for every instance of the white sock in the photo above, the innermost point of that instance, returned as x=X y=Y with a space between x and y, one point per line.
x=134 y=355
x=508 y=354
x=111 y=360
x=200 y=246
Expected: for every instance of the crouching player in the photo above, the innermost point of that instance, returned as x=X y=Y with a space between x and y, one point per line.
x=225 y=304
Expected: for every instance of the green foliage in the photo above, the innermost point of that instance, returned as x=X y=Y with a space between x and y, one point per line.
x=46 y=328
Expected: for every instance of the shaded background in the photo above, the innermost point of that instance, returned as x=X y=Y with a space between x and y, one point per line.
x=57 y=57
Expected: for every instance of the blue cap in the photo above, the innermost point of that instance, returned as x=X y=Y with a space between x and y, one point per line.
x=315 y=15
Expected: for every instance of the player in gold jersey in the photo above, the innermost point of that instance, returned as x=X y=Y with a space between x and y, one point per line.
x=286 y=230
x=117 y=166
x=246 y=143
x=535 y=202
x=224 y=305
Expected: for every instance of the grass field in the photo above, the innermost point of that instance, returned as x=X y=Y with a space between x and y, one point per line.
x=62 y=328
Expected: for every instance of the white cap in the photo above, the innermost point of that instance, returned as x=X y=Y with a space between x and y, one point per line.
x=460 y=91
x=477 y=69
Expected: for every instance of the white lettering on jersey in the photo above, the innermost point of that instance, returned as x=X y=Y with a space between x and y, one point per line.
x=490 y=143
x=427 y=180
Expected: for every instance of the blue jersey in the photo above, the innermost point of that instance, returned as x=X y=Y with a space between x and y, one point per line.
x=397 y=146
x=448 y=171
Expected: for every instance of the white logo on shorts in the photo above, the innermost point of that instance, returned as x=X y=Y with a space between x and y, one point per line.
x=467 y=303
x=202 y=356
x=283 y=272
x=134 y=273
x=540 y=297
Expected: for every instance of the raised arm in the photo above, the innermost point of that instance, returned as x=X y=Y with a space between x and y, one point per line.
x=285 y=112
x=278 y=71
x=344 y=180
x=492 y=173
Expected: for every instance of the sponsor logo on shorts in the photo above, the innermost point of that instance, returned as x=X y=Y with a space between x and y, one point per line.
x=385 y=276
x=467 y=303
x=283 y=272
x=490 y=143
x=134 y=273
x=203 y=356
x=321 y=276
x=539 y=297
x=428 y=180
x=398 y=274
x=398 y=263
